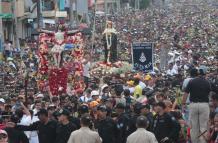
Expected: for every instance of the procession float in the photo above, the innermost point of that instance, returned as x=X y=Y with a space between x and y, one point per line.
x=111 y=63
x=60 y=53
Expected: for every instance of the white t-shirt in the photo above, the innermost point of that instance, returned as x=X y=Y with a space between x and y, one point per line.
x=26 y=121
x=34 y=135
x=85 y=98
x=171 y=72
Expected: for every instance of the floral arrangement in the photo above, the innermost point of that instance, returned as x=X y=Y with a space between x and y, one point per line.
x=56 y=78
x=115 y=68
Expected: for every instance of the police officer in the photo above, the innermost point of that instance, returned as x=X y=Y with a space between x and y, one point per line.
x=106 y=126
x=122 y=122
x=165 y=126
x=134 y=116
x=145 y=111
x=65 y=127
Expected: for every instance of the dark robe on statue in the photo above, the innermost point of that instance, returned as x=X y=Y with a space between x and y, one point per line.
x=113 y=48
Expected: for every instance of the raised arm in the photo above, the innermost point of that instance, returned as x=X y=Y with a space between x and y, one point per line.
x=32 y=127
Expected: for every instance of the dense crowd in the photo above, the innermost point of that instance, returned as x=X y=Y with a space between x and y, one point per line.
x=176 y=103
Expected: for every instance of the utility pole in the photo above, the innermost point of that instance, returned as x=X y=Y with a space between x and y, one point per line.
x=14 y=8
x=106 y=8
x=39 y=14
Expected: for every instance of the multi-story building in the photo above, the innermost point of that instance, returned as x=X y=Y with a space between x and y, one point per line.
x=23 y=14
x=6 y=16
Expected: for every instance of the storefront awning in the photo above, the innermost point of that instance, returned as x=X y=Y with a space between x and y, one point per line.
x=6 y=15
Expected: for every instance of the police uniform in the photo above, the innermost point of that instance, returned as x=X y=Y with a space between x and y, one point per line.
x=63 y=132
x=132 y=123
x=123 y=127
x=107 y=130
x=166 y=126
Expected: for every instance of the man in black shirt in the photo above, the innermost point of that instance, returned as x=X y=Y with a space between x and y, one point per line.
x=65 y=127
x=122 y=123
x=199 y=89
x=106 y=126
x=165 y=127
x=133 y=118
x=145 y=111
x=46 y=128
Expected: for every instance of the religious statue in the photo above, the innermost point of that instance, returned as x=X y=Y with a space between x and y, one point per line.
x=59 y=39
x=110 y=43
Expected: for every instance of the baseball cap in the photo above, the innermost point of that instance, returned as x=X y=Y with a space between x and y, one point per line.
x=42 y=112
x=83 y=108
x=94 y=93
x=40 y=95
x=2 y=100
x=102 y=108
x=64 y=112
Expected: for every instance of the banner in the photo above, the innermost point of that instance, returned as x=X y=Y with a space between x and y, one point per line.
x=142 y=56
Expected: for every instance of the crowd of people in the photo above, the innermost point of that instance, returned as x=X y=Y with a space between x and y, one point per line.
x=176 y=103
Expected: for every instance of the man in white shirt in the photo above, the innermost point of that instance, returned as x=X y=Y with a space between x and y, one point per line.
x=141 y=135
x=171 y=71
x=84 y=134
x=86 y=69
x=176 y=67
x=87 y=97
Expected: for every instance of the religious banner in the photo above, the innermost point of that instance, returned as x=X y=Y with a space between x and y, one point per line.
x=142 y=56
